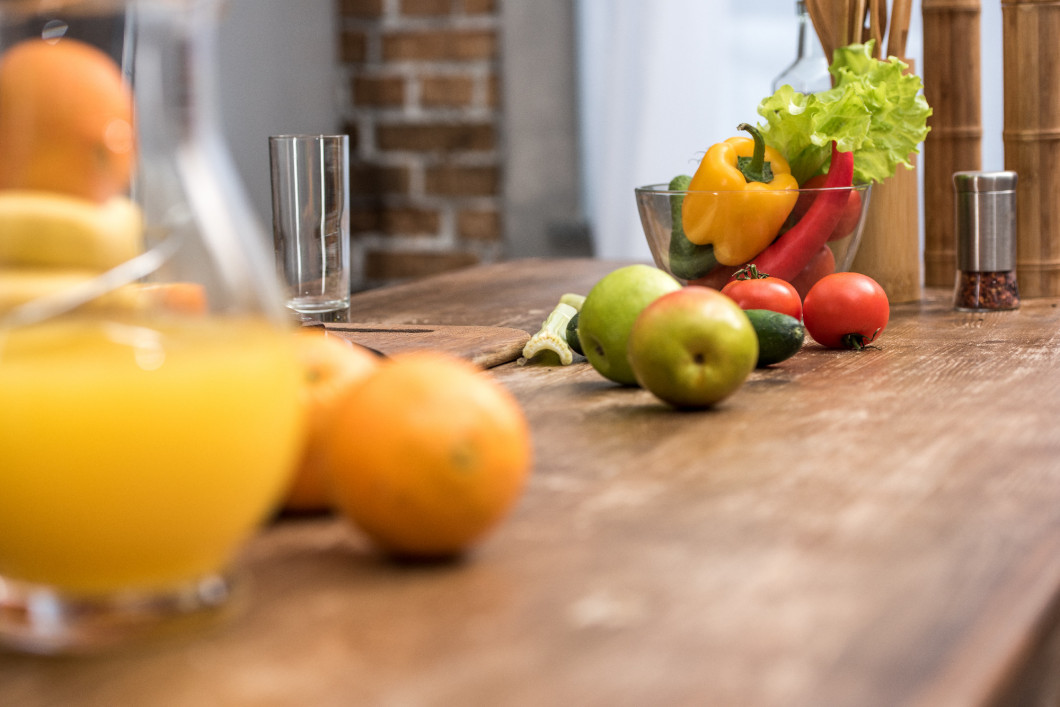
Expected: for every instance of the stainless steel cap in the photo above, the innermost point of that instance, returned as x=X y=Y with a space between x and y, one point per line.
x=979 y=182
x=985 y=212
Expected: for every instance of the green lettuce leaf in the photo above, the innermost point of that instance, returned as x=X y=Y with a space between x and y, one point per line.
x=874 y=109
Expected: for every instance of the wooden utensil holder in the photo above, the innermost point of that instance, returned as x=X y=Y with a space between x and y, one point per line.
x=889 y=251
x=1032 y=138
x=890 y=242
x=951 y=86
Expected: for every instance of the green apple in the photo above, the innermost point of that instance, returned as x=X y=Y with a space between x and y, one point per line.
x=693 y=347
x=608 y=313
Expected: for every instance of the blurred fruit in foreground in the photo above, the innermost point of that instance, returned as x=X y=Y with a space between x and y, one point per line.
x=18 y=286
x=44 y=229
x=172 y=297
x=332 y=366
x=428 y=454
x=65 y=120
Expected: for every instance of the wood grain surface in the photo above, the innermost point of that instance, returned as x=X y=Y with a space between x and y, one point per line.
x=870 y=528
x=485 y=346
x=1031 y=136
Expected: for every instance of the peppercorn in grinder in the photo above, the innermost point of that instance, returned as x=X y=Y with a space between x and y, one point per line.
x=985 y=213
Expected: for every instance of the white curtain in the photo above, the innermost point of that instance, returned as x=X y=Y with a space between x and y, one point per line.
x=660 y=82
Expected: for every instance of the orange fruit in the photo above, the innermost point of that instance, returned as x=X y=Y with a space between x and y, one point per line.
x=332 y=366
x=66 y=120
x=182 y=297
x=428 y=454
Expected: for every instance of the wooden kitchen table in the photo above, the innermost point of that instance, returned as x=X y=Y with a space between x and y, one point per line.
x=850 y=528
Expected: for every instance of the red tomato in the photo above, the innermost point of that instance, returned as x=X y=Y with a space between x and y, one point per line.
x=823 y=263
x=764 y=292
x=851 y=213
x=849 y=220
x=846 y=310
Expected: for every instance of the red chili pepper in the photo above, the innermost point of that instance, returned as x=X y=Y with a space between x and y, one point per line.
x=788 y=255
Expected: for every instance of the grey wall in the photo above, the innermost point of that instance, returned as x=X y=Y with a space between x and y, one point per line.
x=278 y=74
x=543 y=213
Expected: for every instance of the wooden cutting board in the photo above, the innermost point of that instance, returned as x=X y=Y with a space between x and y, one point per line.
x=485 y=346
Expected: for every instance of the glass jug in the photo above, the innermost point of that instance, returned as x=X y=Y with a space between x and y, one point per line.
x=149 y=414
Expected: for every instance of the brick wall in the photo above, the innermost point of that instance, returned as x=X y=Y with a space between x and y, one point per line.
x=421 y=106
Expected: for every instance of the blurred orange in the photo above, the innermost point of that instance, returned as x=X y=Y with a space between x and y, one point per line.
x=332 y=367
x=183 y=297
x=65 y=120
x=428 y=454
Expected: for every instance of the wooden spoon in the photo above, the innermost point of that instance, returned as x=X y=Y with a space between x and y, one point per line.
x=881 y=22
x=821 y=17
x=877 y=24
x=842 y=11
x=898 y=32
x=856 y=20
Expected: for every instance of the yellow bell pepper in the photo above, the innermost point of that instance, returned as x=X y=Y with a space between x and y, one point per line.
x=739 y=198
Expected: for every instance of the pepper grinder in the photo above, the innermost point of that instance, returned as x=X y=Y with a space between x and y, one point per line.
x=985 y=214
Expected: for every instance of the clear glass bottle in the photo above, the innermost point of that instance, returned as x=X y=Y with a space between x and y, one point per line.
x=150 y=386
x=809 y=72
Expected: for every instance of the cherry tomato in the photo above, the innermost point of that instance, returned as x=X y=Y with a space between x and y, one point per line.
x=821 y=264
x=849 y=220
x=846 y=310
x=754 y=291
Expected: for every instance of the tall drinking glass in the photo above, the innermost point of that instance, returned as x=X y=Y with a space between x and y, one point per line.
x=148 y=385
x=310 y=219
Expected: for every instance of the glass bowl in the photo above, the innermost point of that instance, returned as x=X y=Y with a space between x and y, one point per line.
x=660 y=207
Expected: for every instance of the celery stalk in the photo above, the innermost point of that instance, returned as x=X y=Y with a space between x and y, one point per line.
x=549 y=344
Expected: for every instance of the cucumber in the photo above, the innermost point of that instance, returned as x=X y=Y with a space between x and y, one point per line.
x=572 y=335
x=780 y=336
x=687 y=260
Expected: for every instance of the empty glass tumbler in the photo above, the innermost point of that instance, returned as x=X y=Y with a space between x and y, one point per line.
x=310 y=219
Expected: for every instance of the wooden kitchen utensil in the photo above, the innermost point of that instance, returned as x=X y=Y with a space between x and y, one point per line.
x=951 y=86
x=1031 y=136
x=898 y=31
x=824 y=21
x=877 y=23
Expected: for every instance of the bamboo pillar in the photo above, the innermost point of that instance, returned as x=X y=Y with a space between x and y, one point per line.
x=1031 y=56
x=889 y=251
x=951 y=86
